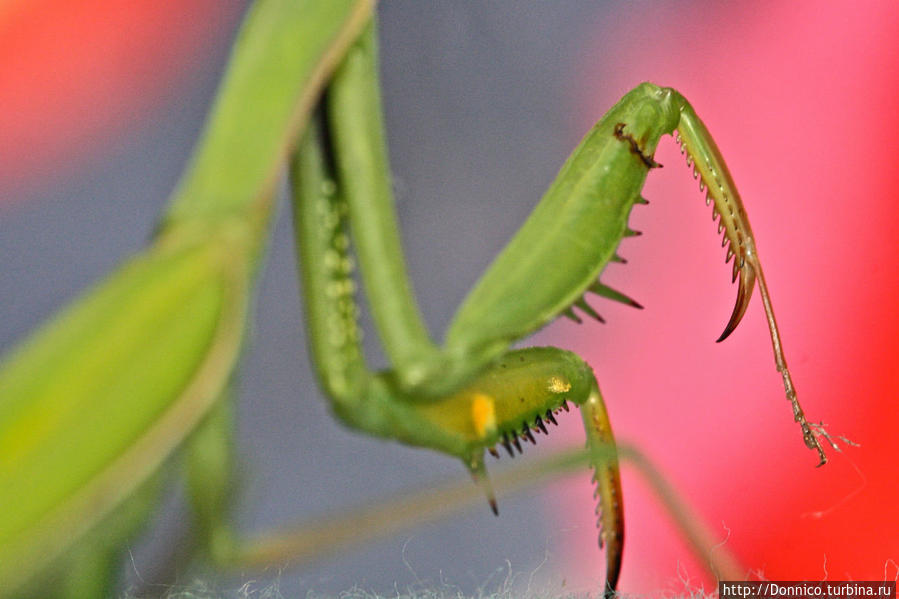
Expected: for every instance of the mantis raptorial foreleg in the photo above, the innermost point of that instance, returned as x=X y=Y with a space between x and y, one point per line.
x=520 y=392
x=474 y=394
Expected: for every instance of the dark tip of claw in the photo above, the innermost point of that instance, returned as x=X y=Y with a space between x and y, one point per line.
x=744 y=292
x=551 y=418
x=731 y=326
x=613 y=571
x=610 y=592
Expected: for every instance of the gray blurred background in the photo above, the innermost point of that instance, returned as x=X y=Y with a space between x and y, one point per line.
x=480 y=112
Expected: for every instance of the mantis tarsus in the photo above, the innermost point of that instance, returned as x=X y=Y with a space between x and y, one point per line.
x=165 y=330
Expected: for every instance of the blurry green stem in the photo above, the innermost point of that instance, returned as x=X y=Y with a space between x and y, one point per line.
x=308 y=542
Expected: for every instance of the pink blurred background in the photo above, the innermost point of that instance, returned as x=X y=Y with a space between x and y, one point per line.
x=801 y=98
x=75 y=74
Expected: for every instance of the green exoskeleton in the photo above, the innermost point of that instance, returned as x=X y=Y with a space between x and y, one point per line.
x=95 y=402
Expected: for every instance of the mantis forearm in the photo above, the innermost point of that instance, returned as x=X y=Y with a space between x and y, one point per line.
x=360 y=152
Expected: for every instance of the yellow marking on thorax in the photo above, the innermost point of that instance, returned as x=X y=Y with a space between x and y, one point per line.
x=483 y=414
x=558 y=385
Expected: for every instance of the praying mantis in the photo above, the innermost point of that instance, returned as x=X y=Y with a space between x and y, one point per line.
x=146 y=356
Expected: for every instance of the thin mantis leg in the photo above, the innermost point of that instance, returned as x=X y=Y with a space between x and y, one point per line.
x=354 y=110
x=308 y=542
x=705 y=158
x=209 y=465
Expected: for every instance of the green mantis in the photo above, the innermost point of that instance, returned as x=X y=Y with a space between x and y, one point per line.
x=146 y=357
